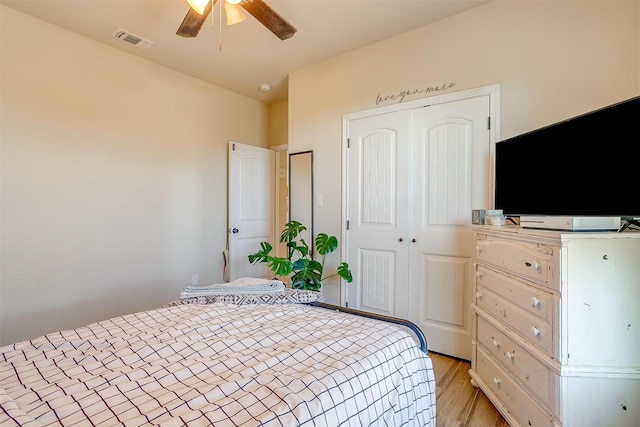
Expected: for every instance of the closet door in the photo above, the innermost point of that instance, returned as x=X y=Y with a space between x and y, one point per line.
x=377 y=242
x=413 y=177
x=450 y=152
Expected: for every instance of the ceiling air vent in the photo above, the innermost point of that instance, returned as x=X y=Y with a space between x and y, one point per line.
x=131 y=38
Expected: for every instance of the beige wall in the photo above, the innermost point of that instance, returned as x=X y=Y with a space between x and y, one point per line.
x=552 y=59
x=113 y=175
x=278 y=123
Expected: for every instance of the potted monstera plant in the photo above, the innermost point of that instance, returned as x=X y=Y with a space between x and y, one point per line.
x=304 y=271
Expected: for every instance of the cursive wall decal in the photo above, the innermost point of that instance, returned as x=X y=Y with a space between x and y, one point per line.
x=404 y=93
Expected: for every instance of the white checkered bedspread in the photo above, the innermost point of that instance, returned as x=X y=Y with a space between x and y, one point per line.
x=220 y=365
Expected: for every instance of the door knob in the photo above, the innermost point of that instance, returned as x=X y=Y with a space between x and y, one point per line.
x=413 y=240
x=400 y=239
x=235 y=230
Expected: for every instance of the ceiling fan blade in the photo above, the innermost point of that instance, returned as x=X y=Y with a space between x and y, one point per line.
x=193 y=21
x=269 y=18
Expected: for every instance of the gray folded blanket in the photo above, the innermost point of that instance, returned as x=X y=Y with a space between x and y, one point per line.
x=242 y=286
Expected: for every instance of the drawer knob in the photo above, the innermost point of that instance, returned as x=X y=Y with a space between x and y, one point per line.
x=535 y=331
x=478 y=295
x=533 y=265
x=496 y=344
x=510 y=355
x=535 y=302
x=496 y=381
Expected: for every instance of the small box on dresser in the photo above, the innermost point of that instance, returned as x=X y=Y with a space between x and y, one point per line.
x=556 y=330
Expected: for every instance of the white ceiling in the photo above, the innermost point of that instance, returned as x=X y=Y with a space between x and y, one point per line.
x=243 y=56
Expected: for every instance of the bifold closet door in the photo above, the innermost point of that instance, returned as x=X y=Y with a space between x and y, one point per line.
x=450 y=152
x=378 y=233
x=413 y=177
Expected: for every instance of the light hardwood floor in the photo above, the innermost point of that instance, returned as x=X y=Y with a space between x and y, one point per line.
x=458 y=403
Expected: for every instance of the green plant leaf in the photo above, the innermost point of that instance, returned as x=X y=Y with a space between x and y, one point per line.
x=300 y=247
x=307 y=269
x=262 y=255
x=308 y=284
x=291 y=230
x=280 y=266
x=298 y=284
x=326 y=244
x=344 y=272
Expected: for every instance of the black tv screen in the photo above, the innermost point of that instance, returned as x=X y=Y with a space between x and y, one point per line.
x=588 y=165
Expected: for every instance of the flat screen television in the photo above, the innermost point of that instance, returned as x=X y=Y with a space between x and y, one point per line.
x=588 y=165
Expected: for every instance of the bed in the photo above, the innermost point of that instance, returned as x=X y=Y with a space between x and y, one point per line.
x=230 y=362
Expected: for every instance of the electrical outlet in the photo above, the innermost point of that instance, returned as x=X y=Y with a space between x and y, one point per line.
x=194 y=280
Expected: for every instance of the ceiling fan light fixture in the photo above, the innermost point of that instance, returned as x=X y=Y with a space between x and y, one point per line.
x=198 y=5
x=233 y=13
x=193 y=21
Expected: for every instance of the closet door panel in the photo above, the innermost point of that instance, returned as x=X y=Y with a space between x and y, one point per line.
x=378 y=271
x=444 y=188
x=378 y=242
x=442 y=305
x=449 y=167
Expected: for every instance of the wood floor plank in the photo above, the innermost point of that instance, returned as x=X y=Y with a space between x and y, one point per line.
x=484 y=414
x=458 y=402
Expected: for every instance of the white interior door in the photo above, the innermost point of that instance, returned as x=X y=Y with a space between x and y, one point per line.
x=377 y=198
x=251 y=195
x=450 y=172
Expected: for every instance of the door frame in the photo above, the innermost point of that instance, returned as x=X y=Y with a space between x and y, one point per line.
x=280 y=217
x=493 y=91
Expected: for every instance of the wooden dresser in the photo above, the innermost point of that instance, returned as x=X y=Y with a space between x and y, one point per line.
x=556 y=333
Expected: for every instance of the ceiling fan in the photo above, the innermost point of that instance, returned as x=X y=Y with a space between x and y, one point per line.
x=200 y=9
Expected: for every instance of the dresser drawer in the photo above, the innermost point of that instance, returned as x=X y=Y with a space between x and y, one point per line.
x=532 y=300
x=526 y=367
x=532 y=261
x=533 y=329
x=525 y=410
